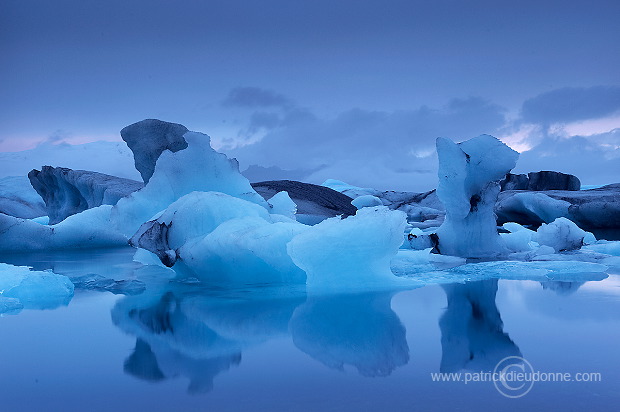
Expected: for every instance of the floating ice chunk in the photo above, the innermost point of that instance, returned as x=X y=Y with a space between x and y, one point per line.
x=519 y=240
x=282 y=204
x=352 y=252
x=605 y=246
x=469 y=175
x=88 y=229
x=33 y=289
x=418 y=240
x=532 y=207
x=101 y=283
x=411 y=263
x=347 y=189
x=10 y=306
x=412 y=257
x=538 y=270
x=194 y=215
x=544 y=250
x=562 y=235
x=513 y=227
x=366 y=201
x=589 y=209
x=244 y=250
x=423 y=210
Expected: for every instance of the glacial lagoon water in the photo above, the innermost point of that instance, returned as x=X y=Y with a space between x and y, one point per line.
x=160 y=344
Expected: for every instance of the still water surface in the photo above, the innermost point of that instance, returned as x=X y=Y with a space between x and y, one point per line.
x=182 y=346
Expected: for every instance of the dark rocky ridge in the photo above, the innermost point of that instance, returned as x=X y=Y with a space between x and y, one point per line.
x=543 y=180
x=310 y=199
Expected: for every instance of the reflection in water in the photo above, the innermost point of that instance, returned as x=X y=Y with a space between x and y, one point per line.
x=360 y=330
x=472 y=335
x=187 y=331
x=152 y=366
x=560 y=287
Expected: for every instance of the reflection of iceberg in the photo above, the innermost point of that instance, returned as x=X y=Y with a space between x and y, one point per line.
x=164 y=363
x=472 y=335
x=185 y=331
x=561 y=287
x=358 y=329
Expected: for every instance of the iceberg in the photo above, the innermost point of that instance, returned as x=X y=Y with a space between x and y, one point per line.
x=591 y=210
x=530 y=208
x=197 y=168
x=32 y=289
x=10 y=306
x=562 y=235
x=89 y=229
x=194 y=215
x=245 y=250
x=469 y=176
x=67 y=192
x=366 y=201
x=282 y=204
x=354 y=252
x=424 y=210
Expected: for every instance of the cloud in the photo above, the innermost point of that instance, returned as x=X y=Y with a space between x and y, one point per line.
x=255 y=97
x=58 y=137
x=395 y=150
x=595 y=159
x=571 y=104
x=391 y=150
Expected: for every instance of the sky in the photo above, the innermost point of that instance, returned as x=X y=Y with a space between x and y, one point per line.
x=356 y=91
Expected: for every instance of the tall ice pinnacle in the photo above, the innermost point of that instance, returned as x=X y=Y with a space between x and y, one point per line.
x=469 y=176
